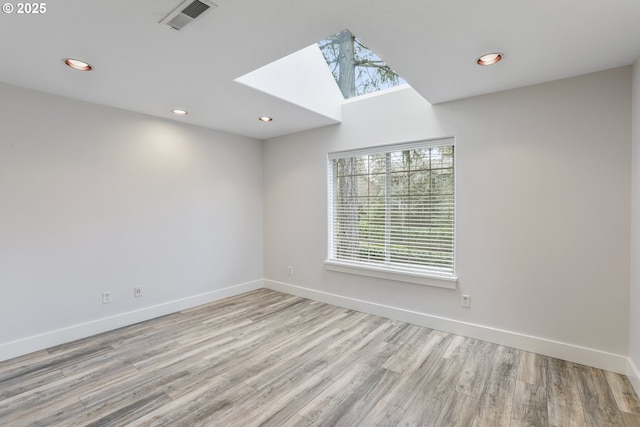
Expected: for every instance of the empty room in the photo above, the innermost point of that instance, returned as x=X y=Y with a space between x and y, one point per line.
x=336 y=213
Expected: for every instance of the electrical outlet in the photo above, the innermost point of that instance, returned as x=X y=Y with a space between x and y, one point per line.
x=466 y=301
x=290 y=270
x=137 y=291
x=106 y=297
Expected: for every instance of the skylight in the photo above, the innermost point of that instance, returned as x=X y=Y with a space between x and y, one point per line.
x=356 y=69
x=303 y=78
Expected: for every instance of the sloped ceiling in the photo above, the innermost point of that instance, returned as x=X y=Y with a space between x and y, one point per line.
x=143 y=66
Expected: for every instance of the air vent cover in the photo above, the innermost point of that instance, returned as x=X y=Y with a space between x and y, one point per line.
x=185 y=13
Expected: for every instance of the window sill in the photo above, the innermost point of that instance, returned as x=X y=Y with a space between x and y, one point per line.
x=400 y=275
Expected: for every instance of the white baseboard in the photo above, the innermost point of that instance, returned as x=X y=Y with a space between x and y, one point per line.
x=577 y=354
x=634 y=376
x=573 y=353
x=83 y=330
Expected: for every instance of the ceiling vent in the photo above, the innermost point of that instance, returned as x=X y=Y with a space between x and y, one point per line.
x=186 y=12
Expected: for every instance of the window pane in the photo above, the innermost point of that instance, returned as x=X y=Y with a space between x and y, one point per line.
x=399 y=161
x=399 y=183
x=355 y=68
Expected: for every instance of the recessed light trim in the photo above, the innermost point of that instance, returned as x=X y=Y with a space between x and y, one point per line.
x=77 y=64
x=179 y=112
x=265 y=119
x=489 y=59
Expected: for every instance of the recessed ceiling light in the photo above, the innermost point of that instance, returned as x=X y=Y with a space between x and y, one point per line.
x=265 y=119
x=489 y=59
x=179 y=112
x=77 y=64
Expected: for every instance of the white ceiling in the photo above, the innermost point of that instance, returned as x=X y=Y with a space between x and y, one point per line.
x=141 y=65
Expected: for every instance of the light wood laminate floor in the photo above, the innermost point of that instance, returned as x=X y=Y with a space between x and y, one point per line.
x=268 y=358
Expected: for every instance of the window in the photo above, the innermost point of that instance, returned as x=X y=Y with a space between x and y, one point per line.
x=391 y=212
x=356 y=69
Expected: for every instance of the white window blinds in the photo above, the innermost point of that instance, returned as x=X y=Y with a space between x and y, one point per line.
x=393 y=207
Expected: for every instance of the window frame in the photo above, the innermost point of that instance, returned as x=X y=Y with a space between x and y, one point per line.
x=417 y=275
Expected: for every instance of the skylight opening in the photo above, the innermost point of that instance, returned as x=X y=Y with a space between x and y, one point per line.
x=355 y=68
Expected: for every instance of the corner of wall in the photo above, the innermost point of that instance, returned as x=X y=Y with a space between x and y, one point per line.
x=634 y=376
x=634 y=285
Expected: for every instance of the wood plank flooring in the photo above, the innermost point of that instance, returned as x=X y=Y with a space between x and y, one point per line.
x=268 y=358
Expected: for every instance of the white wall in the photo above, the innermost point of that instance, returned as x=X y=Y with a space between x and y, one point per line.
x=543 y=214
x=634 y=299
x=94 y=198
